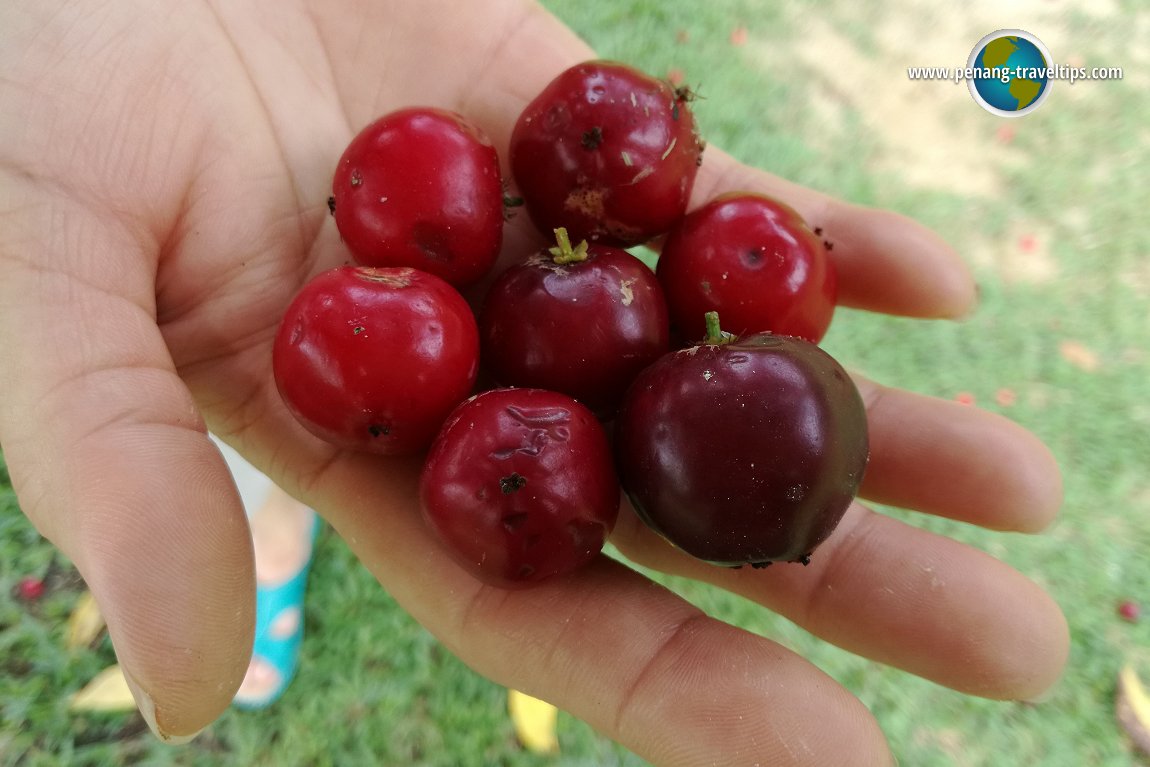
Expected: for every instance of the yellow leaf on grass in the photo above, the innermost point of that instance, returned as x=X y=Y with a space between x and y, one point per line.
x=1080 y=356
x=85 y=623
x=108 y=691
x=534 y=722
x=1134 y=708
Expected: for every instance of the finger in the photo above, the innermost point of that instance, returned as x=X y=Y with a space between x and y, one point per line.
x=632 y=659
x=901 y=596
x=885 y=262
x=947 y=459
x=110 y=461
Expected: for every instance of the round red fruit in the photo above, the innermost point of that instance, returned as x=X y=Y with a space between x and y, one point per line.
x=743 y=452
x=421 y=187
x=580 y=320
x=520 y=486
x=374 y=359
x=30 y=589
x=608 y=152
x=753 y=260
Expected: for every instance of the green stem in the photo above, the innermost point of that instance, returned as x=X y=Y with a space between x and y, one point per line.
x=564 y=253
x=715 y=335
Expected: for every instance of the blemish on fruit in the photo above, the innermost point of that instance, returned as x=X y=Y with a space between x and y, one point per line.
x=828 y=245
x=592 y=138
x=625 y=289
x=804 y=560
x=818 y=231
x=512 y=483
x=331 y=205
x=795 y=493
x=761 y=565
x=588 y=202
x=670 y=148
x=379 y=430
x=514 y=521
x=358 y=329
x=356 y=178
x=626 y=159
x=397 y=278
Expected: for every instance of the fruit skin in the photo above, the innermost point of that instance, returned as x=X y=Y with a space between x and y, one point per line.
x=608 y=152
x=421 y=187
x=743 y=453
x=584 y=328
x=753 y=260
x=375 y=358
x=520 y=486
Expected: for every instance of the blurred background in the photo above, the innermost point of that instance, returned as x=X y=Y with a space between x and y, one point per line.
x=1045 y=209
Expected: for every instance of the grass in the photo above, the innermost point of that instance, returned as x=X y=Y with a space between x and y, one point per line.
x=1059 y=344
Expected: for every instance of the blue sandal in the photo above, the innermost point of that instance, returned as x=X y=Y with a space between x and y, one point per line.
x=279 y=631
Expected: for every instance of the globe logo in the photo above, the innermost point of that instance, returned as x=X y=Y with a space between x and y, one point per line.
x=1011 y=72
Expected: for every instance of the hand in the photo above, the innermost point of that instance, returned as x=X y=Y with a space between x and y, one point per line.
x=162 y=197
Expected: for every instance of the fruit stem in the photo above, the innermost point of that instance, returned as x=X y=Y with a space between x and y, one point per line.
x=564 y=253
x=715 y=335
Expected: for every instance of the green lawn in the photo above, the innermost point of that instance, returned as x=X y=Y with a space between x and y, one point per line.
x=1047 y=209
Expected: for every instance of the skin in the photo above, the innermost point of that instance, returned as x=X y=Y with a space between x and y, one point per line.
x=164 y=169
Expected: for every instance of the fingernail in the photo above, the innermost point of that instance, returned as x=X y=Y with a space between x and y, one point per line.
x=148 y=712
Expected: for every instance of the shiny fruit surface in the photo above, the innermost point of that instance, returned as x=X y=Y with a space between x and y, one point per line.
x=421 y=187
x=608 y=152
x=745 y=452
x=753 y=260
x=375 y=358
x=520 y=486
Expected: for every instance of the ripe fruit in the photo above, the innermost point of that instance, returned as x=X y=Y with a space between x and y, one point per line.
x=520 y=486
x=30 y=588
x=1129 y=611
x=743 y=452
x=583 y=321
x=753 y=260
x=374 y=359
x=421 y=187
x=608 y=152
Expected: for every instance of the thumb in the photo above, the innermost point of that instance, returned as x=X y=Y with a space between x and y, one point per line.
x=111 y=462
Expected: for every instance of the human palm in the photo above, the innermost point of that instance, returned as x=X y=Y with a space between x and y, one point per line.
x=164 y=169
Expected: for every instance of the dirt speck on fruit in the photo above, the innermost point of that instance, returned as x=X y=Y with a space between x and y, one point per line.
x=395 y=277
x=512 y=483
x=625 y=289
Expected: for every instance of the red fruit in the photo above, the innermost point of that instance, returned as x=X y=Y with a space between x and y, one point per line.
x=520 y=486
x=582 y=321
x=30 y=589
x=745 y=452
x=1129 y=611
x=374 y=359
x=753 y=260
x=608 y=152
x=421 y=187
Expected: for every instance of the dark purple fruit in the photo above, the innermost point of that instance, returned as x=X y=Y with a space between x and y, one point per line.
x=745 y=452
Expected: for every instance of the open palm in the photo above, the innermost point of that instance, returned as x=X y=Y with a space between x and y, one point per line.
x=164 y=168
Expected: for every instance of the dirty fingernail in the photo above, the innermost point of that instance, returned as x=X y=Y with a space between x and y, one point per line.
x=148 y=712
